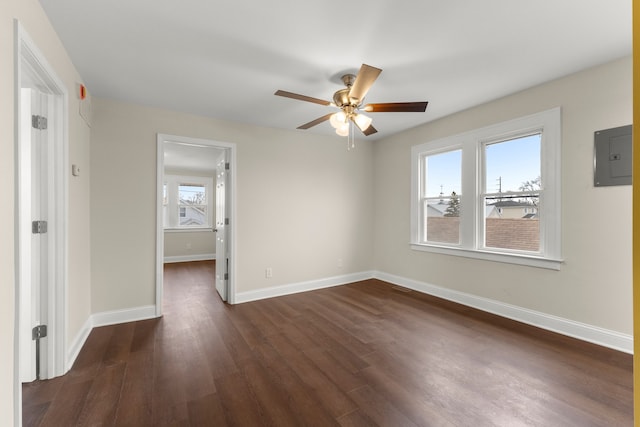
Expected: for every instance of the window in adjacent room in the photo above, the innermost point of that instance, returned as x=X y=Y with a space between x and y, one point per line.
x=188 y=202
x=492 y=193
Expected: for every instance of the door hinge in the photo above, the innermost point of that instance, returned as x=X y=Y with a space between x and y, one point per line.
x=226 y=276
x=226 y=221
x=226 y=166
x=38 y=227
x=38 y=332
x=39 y=122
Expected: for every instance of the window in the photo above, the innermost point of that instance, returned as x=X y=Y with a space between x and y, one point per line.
x=512 y=185
x=192 y=201
x=188 y=202
x=442 y=205
x=492 y=193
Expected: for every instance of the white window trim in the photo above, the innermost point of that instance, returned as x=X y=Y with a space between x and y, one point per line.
x=172 y=182
x=472 y=143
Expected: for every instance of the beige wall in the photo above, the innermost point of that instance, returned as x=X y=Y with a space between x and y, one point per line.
x=594 y=284
x=189 y=243
x=303 y=202
x=34 y=21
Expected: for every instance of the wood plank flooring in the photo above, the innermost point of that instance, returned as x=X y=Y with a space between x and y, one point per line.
x=364 y=354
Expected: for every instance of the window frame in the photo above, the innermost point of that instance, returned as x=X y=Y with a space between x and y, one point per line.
x=472 y=212
x=173 y=183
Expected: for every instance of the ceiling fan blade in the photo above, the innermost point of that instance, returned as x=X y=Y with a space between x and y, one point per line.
x=396 y=107
x=365 y=78
x=370 y=130
x=301 y=97
x=316 y=121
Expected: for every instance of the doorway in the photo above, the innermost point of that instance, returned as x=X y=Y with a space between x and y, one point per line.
x=196 y=204
x=41 y=232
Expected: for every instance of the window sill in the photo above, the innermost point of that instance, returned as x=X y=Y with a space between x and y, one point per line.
x=520 y=259
x=188 y=230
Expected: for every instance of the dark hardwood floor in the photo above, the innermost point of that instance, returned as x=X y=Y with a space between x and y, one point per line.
x=364 y=354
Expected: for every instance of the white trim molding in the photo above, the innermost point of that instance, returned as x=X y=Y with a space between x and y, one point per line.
x=188 y=258
x=585 y=332
x=294 y=288
x=115 y=317
x=76 y=345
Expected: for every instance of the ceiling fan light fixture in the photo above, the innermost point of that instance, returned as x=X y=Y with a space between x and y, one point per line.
x=338 y=119
x=362 y=121
x=343 y=130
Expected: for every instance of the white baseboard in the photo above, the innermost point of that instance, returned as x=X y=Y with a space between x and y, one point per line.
x=114 y=317
x=604 y=337
x=187 y=258
x=77 y=343
x=106 y=318
x=295 y=288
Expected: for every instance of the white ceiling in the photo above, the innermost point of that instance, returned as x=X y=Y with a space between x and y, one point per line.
x=181 y=157
x=225 y=59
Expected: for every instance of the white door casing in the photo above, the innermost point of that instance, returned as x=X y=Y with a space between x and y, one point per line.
x=33 y=73
x=230 y=191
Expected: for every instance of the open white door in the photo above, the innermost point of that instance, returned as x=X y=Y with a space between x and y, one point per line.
x=222 y=224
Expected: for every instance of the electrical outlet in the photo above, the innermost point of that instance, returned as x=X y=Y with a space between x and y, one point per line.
x=188 y=245
x=340 y=263
x=268 y=273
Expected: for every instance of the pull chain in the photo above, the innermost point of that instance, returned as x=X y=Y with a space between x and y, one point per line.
x=351 y=140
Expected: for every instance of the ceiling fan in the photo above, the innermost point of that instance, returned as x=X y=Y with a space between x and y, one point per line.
x=350 y=102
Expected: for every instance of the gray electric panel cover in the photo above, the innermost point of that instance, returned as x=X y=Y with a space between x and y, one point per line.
x=612 y=157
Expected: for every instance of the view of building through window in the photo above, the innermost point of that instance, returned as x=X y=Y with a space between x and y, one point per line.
x=512 y=186
x=192 y=202
x=443 y=209
x=512 y=192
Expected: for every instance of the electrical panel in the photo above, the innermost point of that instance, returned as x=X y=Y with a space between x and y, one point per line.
x=613 y=156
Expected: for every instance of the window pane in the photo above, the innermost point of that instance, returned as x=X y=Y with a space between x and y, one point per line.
x=443 y=221
x=443 y=173
x=442 y=209
x=191 y=194
x=193 y=215
x=193 y=210
x=512 y=164
x=511 y=220
x=512 y=224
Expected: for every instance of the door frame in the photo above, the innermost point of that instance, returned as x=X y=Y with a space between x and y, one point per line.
x=161 y=139
x=30 y=63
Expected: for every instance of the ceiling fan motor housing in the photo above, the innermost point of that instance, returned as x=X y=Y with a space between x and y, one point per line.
x=341 y=98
